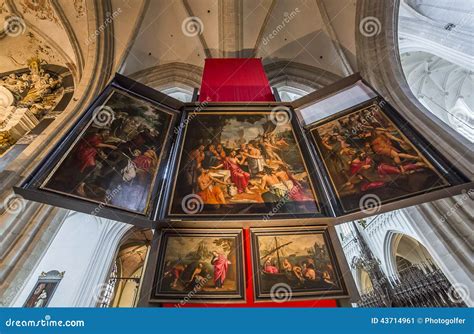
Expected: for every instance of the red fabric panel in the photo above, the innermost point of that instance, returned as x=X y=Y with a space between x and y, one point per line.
x=234 y=79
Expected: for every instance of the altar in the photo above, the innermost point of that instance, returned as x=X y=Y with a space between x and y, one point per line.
x=242 y=195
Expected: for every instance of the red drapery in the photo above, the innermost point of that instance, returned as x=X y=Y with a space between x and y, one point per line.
x=234 y=79
x=230 y=80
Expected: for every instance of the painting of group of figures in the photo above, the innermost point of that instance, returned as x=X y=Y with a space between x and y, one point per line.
x=241 y=163
x=208 y=265
x=115 y=158
x=366 y=153
x=205 y=263
x=298 y=261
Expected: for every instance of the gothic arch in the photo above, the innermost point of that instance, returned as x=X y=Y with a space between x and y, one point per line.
x=392 y=243
x=185 y=76
x=129 y=261
x=302 y=76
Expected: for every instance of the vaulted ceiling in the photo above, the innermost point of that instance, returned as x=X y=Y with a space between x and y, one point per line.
x=318 y=33
x=152 y=33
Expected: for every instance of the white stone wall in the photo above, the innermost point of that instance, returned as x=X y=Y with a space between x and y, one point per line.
x=84 y=248
x=379 y=235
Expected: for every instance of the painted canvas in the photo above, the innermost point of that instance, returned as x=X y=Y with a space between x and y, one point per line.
x=293 y=263
x=241 y=163
x=44 y=289
x=115 y=159
x=370 y=161
x=200 y=264
x=41 y=294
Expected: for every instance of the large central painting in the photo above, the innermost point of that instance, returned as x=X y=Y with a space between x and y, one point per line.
x=241 y=163
x=115 y=159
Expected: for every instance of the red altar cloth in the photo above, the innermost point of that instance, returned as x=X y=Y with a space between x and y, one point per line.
x=234 y=79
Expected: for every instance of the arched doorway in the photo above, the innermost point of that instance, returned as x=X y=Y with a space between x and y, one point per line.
x=408 y=252
x=411 y=265
x=365 y=282
x=123 y=286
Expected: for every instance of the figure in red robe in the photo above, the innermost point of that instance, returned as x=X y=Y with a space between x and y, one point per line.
x=238 y=176
x=268 y=266
x=221 y=265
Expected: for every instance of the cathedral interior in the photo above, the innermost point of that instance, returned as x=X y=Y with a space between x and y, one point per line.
x=91 y=210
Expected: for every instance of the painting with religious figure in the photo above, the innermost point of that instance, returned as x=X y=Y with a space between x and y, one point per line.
x=115 y=159
x=370 y=161
x=241 y=163
x=203 y=264
x=294 y=263
x=44 y=289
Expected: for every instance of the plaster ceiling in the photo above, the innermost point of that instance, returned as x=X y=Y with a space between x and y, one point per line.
x=154 y=32
x=273 y=30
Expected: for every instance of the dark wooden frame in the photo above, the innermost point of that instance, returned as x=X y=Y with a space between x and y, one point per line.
x=53 y=276
x=331 y=209
x=32 y=187
x=305 y=154
x=200 y=297
x=261 y=296
x=449 y=173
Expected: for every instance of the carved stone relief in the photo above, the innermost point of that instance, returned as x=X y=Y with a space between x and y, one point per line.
x=26 y=98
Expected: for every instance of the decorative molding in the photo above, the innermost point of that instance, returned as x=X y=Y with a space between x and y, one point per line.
x=202 y=40
x=72 y=38
x=292 y=73
x=346 y=66
x=262 y=28
x=167 y=75
x=67 y=60
x=96 y=274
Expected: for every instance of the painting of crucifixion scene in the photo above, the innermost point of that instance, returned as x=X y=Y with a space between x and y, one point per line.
x=115 y=159
x=369 y=159
x=208 y=265
x=241 y=163
x=298 y=260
